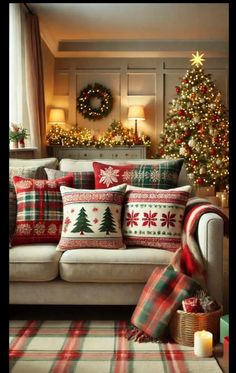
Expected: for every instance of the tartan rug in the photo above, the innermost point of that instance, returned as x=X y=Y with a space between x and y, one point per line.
x=95 y=347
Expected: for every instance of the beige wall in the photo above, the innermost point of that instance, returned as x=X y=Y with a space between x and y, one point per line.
x=146 y=81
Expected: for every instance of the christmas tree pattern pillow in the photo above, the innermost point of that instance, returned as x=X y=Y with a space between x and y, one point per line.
x=92 y=218
x=39 y=210
x=153 y=218
x=81 y=179
x=163 y=175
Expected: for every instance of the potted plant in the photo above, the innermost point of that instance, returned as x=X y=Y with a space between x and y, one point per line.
x=17 y=136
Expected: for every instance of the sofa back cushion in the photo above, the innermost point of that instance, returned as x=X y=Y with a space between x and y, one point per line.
x=39 y=210
x=153 y=217
x=67 y=164
x=92 y=218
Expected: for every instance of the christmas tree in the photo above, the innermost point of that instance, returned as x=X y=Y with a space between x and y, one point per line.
x=197 y=129
x=82 y=223
x=108 y=224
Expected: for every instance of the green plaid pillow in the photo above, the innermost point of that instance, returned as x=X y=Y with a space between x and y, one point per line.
x=163 y=175
x=81 y=180
x=27 y=172
x=39 y=209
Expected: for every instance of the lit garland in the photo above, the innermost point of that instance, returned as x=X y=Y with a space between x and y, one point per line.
x=197 y=129
x=116 y=135
x=84 y=102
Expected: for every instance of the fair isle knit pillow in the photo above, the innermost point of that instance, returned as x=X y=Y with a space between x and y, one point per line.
x=153 y=217
x=39 y=210
x=92 y=218
x=163 y=175
x=81 y=179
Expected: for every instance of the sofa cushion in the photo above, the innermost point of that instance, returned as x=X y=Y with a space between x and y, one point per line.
x=92 y=218
x=50 y=162
x=32 y=168
x=99 y=265
x=81 y=180
x=153 y=217
x=162 y=175
x=36 y=262
x=39 y=210
x=68 y=164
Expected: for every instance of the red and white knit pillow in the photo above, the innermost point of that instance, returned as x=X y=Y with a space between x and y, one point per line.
x=39 y=210
x=153 y=217
x=92 y=218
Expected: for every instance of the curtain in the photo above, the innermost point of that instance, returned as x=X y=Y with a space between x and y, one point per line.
x=35 y=84
x=15 y=65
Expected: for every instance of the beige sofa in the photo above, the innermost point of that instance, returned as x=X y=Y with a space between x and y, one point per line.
x=41 y=275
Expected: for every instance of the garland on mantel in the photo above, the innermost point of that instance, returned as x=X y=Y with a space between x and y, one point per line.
x=115 y=135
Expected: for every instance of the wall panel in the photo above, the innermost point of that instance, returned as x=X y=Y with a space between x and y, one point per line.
x=133 y=81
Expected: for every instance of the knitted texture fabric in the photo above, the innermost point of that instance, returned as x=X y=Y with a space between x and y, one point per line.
x=164 y=292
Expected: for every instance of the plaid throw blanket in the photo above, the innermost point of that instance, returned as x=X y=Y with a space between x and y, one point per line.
x=163 y=293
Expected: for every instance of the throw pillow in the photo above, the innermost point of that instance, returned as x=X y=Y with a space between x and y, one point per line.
x=23 y=171
x=81 y=180
x=154 y=217
x=39 y=210
x=92 y=218
x=163 y=175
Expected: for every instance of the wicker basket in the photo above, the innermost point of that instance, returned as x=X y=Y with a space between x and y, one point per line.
x=183 y=325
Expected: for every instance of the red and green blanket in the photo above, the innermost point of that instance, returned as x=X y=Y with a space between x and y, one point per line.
x=163 y=293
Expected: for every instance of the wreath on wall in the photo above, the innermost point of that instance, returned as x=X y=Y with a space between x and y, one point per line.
x=85 y=107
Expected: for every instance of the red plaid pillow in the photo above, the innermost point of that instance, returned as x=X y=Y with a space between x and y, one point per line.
x=39 y=209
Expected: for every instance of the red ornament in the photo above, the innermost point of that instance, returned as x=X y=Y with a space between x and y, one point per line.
x=214 y=117
x=204 y=89
x=212 y=151
x=200 y=181
x=177 y=89
x=181 y=112
x=179 y=140
x=194 y=162
x=198 y=126
x=185 y=81
x=187 y=133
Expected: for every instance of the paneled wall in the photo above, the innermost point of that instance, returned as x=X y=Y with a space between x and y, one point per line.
x=133 y=81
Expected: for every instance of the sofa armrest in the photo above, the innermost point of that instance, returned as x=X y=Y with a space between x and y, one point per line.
x=210 y=236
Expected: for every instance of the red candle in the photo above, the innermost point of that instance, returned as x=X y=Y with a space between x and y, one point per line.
x=226 y=348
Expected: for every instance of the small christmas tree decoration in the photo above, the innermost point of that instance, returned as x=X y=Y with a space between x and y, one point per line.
x=82 y=223
x=197 y=129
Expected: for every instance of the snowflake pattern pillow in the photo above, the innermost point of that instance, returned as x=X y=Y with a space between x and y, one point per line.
x=163 y=175
x=153 y=218
x=92 y=218
x=39 y=210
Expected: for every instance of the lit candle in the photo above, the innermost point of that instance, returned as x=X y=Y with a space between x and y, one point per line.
x=203 y=343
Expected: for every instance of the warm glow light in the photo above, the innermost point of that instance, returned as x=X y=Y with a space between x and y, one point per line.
x=136 y=112
x=57 y=116
x=197 y=59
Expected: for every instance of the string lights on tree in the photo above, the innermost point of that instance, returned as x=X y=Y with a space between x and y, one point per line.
x=197 y=128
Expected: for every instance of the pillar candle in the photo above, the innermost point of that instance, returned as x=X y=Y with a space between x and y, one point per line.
x=203 y=343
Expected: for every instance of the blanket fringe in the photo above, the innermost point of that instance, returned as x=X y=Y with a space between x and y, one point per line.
x=139 y=336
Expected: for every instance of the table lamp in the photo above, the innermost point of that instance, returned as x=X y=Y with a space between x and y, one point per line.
x=136 y=113
x=56 y=116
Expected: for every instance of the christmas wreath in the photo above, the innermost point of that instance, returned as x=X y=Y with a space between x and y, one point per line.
x=84 y=102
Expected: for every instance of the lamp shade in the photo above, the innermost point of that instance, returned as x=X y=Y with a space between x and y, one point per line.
x=57 y=116
x=136 y=112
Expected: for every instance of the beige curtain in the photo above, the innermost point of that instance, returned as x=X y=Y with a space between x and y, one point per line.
x=35 y=84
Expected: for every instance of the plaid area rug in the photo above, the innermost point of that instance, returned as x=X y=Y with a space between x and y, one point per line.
x=95 y=347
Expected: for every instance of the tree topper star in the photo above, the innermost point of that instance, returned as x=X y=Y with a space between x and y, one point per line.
x=197 y=59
